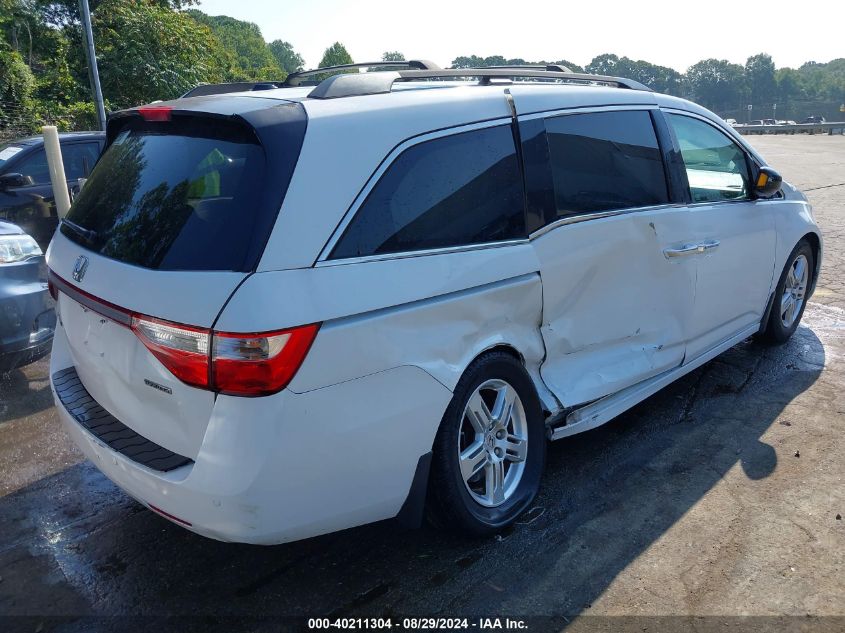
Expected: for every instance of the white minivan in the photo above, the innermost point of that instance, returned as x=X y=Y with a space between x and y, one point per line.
x=288 y=311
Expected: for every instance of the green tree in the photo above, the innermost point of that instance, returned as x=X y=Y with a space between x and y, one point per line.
x=473 y=61
x=253 y=58
x=288 y=59
x=716 y=84
x=823 y=81
x=834 y=84
x=394 y=56
x=760 y=77
x=62 y=13
x=605 y=64
x=568 y=64
x=659 y=78
x=788 y=85
x=148 y=52
x=16 y=87
x=336 y=55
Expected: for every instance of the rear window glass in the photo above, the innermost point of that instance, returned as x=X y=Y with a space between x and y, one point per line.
x=182 y=195
x=603 y=161
x=452 y=191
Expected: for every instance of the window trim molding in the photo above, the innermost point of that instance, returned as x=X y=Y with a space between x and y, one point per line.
x=376 y=176
x=552 y=114
x=600 y=215
x=445 y=250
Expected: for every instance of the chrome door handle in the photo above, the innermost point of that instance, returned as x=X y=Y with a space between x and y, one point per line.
x=692 y=249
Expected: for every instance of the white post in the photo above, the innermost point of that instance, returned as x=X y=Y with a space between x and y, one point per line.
x=57 y=169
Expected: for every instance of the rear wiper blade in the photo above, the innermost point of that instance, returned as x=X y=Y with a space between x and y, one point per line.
x=87 y=234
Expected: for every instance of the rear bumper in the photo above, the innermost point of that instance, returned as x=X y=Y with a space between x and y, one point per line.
x=32 y=352
x=287 y=466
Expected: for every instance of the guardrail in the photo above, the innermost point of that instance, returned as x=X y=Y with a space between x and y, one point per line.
x=800 y=128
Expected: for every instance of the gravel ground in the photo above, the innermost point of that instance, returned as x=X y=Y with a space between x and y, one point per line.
x=718 y=497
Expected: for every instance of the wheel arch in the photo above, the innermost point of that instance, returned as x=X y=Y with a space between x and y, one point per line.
x=505 y=348
x=412 y=513
x=547 y=400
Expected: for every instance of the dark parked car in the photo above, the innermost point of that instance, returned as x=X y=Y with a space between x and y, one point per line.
x=26 y=194
x=27 y=312
x=814 y=119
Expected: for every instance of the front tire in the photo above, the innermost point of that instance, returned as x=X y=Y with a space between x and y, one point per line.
x=790 y=295
x=489 y=451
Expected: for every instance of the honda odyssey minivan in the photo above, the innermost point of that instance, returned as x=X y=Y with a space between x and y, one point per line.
x=291 y=311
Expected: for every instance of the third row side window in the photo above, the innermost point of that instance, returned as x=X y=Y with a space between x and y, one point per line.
x=456 y=190
x=603 y=161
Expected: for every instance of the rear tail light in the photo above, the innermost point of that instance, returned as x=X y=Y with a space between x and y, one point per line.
x=261 y=363
x=234 y=363
x=255 y=364
x=54 y=292
x=182 y=349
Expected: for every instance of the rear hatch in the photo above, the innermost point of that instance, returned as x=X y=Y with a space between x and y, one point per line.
x=175 y=215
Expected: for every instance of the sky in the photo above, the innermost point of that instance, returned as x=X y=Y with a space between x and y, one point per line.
x=669 y=33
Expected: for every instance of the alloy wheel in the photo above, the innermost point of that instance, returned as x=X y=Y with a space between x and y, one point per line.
x=493 y=443
x=794 y=290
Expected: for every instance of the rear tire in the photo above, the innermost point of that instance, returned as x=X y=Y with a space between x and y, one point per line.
x=790 y=295
x=490 y=449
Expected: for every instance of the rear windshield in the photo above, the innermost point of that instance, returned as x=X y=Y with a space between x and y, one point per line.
x=180 y=195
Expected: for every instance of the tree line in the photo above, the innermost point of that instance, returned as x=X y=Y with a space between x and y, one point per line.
x=146 y=50
x=721 y=86
x=160 y=49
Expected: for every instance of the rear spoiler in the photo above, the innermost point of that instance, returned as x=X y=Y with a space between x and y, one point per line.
x=204 y=90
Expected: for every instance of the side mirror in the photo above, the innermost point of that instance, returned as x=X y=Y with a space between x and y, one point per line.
x=768 y=182
x=10 y=181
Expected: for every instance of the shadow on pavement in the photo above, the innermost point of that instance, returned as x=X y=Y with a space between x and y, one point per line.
x=74 y=545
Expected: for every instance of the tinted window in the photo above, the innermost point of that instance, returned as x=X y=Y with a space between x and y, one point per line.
x=456 y=190
x=35 y=166
x=603 y=161
x=173 y=196
x=79 y=159
x=715 y=165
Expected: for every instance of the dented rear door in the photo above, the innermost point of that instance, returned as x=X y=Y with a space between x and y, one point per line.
x=616 y=307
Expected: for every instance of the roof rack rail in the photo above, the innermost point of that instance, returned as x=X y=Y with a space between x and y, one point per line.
x=379 y=83
x=299 y=78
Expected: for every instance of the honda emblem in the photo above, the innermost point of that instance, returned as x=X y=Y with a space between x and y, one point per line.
x=80 y=267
